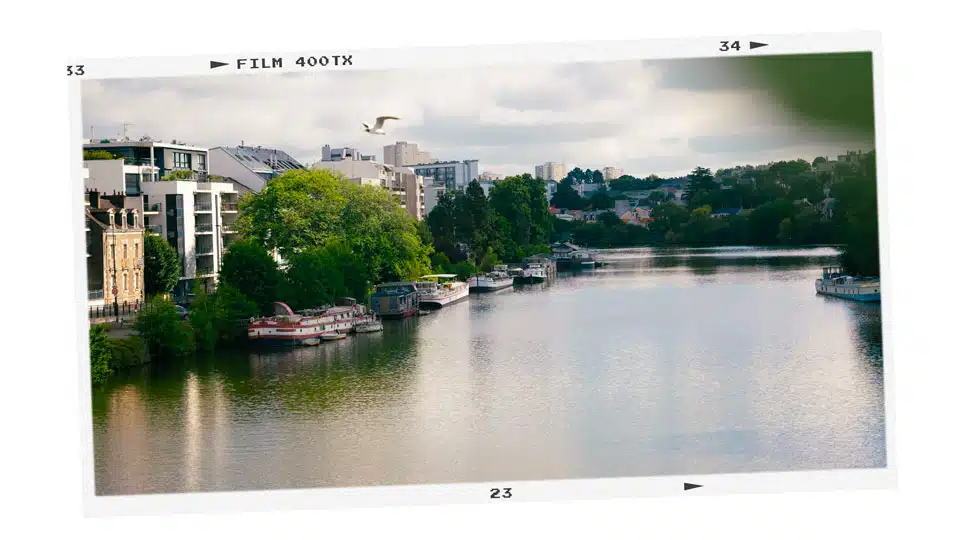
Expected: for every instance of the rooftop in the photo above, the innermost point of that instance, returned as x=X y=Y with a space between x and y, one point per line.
x=259 y=159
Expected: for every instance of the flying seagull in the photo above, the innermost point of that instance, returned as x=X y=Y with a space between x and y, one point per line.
x=377 y=128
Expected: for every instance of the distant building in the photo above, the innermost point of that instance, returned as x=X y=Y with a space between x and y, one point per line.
x=403 y=153
x=612 y=173
x=586 y=190
x=493 y=177
x=552 y=186
x=487 y=185
x=249 y=168
x=725 y=212
x=342 y=154
x=550 y=171
x=114 y=251
x=455 y=175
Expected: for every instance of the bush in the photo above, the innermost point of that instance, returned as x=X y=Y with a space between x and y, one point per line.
x=163 y=330
x=126 y=352
x=100 y=354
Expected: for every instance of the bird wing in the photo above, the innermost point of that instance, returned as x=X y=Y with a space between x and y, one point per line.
x=381 y=119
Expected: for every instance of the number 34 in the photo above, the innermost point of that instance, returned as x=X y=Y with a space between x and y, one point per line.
x=500 y=493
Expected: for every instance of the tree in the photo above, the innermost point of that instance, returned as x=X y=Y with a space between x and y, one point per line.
x=857 y=220
x=163 y=330
x=700 y=186
x=567 y=197
x=249 y=268
x=161 y=265
x=818 y=160
x=306 y=209
x=442 y=222
x=319 y=276
x=100 y=353
x=601 y=199
x=489 y=260
x=597 y=177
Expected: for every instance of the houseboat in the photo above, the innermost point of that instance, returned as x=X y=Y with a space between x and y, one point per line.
x=395 y=300
x=496 y=280
x=441 y=290
x=537 y=269
x=287 y=328
x=835 y=282
x=370 y=326
x=571 y=257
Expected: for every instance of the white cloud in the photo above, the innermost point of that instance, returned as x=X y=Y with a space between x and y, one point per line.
x=621 y=114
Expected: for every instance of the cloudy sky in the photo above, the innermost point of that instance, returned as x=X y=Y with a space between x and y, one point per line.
x=648 y=117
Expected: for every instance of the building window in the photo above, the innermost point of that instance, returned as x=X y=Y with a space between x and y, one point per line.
x=136 y=250
x=201 y=162
x=136 y=281
x=125 y=289
x=124 y=250
x=181 y=160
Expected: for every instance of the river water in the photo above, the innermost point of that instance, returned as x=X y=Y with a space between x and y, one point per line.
x=666 y=361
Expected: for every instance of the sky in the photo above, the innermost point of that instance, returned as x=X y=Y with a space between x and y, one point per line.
x=647 y=117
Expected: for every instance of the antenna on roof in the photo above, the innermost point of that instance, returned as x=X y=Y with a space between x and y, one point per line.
x=125 y=126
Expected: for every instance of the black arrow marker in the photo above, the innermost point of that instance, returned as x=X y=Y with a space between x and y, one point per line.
x=688 y=487
x=754 y=44
x=214 y=64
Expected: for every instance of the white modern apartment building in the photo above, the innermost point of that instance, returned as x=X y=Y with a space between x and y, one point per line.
x=431 y=195
x=344 y=154
x=249 y=168
x=550 y=171
x=612 y=173
x=403 y=153
x=194 y=215
x=403 y=183
x=454 y=175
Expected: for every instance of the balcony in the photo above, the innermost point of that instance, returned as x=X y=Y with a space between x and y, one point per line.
x=229 y=207
x=204 y=270
x=204 y=228
x=203 y=207
x=151 y=209
x=155 y=229
x=96 y=294
x=227 y=229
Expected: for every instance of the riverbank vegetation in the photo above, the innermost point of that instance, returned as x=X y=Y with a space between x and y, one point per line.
x=471 y=230
x=786 y=203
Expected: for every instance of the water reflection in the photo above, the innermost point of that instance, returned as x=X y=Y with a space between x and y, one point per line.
x=663 y=362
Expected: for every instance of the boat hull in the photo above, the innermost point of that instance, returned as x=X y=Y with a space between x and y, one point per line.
x=491 y=286
x=529 y=280
x=436 y=303
x=857 y=293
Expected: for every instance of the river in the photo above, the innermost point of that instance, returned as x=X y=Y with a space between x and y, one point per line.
x=665 y=361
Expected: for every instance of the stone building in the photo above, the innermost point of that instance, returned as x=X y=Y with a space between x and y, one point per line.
x=114 y=251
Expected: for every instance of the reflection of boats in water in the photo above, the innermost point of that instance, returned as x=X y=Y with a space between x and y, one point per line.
x=369 y=326
x=495 y=280
x=287 y=328
x=311 y=341
x=835 y=282
x=442 y=292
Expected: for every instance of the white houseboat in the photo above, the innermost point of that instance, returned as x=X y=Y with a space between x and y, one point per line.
x=496 y=280
x=441 y=290
x=286 y=328
x=835 y=282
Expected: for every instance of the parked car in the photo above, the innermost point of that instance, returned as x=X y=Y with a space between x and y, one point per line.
x=184 y=312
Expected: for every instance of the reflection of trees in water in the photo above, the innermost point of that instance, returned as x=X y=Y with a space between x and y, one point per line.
x=868 y=326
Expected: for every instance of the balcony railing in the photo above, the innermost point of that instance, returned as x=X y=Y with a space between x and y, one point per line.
x=204 y=227
x=203 y=206
x=95 y=294
x=229 y=207
x=155 y=207
x=203 y=270
x=227 y=229
x=155 y=229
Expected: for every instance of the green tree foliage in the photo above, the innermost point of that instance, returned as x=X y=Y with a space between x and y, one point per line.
x=249 y=268
x=601 y=199
x=306 y=209
x=442 y=223
x=318 y=276
x=856 y=215
x=94 y=155
x=179 y=174
x=523 y=219
x=100 y=354
x=489 y=260
x=161 y=265
x=203 y=317
x=163 y=330
x=567 y=197
x=700 y=187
